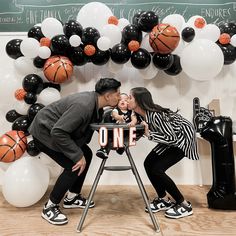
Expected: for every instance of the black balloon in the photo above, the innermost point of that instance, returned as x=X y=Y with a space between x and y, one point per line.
x=228 y=28
x=120 y=53
x=22 y=123
x=77 y=56
x=141 y=58
x=32 y=83
x=39 y=62
x=229 y=53
x=131 y=32
x=188 y=34
x=72 y=27
x=33 y=110
x=218 y=131
x=136 y=17
x=147 y=21
x=35 y=32
x=163 y=61
x=13 y=48
x=32 y=148
x=90 y=35
x=59 y=44
x=12 y=115
x=100 y=57
x=175 y=68
x=30 y=98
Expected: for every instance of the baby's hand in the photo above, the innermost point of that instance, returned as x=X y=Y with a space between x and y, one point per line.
x=121 y=119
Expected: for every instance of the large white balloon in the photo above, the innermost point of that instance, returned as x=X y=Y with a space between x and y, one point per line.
x=94 y=14
x=175 y=20
x=210 y=31
x=122 y=22
x=202 y=59
x=233 y=40
x=48 y=95
x=29 y=47
x=112 y=32
x=25 y=182
x=51 y=27
x=145 y=43
x=24 y=66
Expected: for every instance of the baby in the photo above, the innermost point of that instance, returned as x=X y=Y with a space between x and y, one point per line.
x=120 y=114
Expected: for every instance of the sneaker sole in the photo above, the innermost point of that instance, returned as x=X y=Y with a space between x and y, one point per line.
x=76 y=206
x=53 y=222
x=161 y=209
x=101 y=156
x=180 y=216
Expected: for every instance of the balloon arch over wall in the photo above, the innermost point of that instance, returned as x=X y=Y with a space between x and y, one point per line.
x=98 y=37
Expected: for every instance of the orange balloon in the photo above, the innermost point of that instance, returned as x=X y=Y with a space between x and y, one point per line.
x=12 y=145
x=224 y=38
x=58 y=69
x=164 y=38
x=45 y=42
x=199 y=23
x=133 y=45
x=89 y=50
x=113 y=20
x=20 y=94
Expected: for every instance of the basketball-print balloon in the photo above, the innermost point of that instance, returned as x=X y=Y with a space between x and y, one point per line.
x=12 y=145
x=164 y=38
x=58 y=69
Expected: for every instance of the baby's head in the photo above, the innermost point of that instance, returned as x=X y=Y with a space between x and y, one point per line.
x=123 y=102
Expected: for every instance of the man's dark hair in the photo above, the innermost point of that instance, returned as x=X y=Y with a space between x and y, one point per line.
x=107 y=84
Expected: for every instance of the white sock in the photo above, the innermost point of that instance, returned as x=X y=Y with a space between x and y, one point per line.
x=71 y=195
x=49 y=203
x=185 y=203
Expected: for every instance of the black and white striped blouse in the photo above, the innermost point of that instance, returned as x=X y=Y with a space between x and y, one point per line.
x=172 y=130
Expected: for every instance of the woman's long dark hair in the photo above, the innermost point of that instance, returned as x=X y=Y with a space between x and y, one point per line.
x=144 y=100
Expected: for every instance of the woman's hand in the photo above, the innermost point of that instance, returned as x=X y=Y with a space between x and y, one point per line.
x=146 y=128
x=81 y=164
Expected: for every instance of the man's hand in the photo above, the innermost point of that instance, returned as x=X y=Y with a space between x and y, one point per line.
x=79 y=165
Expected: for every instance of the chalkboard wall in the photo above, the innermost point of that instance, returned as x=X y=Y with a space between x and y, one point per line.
x=21 y=15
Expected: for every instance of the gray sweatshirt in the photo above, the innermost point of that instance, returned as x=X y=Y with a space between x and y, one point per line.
x=64 y=125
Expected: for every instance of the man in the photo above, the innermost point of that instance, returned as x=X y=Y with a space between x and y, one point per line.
x=62 y=131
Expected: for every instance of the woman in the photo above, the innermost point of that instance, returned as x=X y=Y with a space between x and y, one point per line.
x=175 y=138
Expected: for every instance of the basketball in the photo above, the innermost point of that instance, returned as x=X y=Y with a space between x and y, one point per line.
x=224 y=38
x=164 y=38
x=12 y=145
x=133 y=45
x=58 y=69
x=20 y=94
x=89 y=50
x=199 y=23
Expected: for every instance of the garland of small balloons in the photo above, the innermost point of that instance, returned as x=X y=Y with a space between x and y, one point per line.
x=149 y=45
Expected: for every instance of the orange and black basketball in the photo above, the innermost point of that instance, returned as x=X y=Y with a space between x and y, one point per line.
x=12 y=145
x=58 y=69
x=164 y=38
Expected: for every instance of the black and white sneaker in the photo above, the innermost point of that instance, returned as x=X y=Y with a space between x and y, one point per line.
x=160 y=204
x=53 y=215
x=179 y=211
x=77 y=202
x=102 y=153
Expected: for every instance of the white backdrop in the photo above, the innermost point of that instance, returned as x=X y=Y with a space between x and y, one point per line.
x=170 y=91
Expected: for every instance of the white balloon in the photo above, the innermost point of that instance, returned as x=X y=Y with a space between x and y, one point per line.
x=175 y=20
x=233 y=69
x=122 y=22
x=210 y=31
x=180 y=47
x=48 y=95
x=233 y=40
x=51 y=27
x=44 y=52
x=29 y=47
x=112 y=32
x=94 y=14
x=25 y=182
x=75 y=40
x=114 y=67
x=104 y=43
x=202 y=59
x=21 y=107
x=145 y=43
x=2 y=172
x=150 y=72
x=24 y=65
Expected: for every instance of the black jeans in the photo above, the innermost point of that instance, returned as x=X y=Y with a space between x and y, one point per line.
x=67 y=180
x=156 y=166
